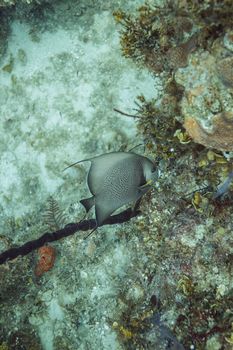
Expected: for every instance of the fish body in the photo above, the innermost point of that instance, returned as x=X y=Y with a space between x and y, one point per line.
x=115 y=179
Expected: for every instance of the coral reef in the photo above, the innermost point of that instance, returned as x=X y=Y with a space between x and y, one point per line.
x=164 y=280
x=10 y=276
x=186 y=227
x=4 y=32
x=9 y=3
x=219 y=137
x=22 y=339
x=225 y=71
x=214 y=16
x=161 y=44
x=194 y=280
x=159 y=123
x=163 y=38
x=207 y=102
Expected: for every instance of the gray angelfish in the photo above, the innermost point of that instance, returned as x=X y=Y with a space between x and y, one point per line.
x=115 y=179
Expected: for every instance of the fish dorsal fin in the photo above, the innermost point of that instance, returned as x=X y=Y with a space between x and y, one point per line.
x=80 y=161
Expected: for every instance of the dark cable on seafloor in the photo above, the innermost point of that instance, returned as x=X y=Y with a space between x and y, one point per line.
x=68 y=230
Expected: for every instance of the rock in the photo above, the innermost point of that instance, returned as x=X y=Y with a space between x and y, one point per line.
x=219 y=136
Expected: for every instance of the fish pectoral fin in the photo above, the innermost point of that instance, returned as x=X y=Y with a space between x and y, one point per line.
x=144 y=188
x=88 y=203
x=148 y=183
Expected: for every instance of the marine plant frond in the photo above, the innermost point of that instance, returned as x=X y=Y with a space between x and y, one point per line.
x=54 y=217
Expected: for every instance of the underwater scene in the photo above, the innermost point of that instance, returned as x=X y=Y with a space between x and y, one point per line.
x=116 y=175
